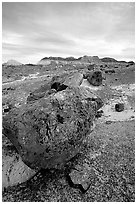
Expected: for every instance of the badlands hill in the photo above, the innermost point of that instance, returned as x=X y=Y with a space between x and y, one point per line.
x=70 y=60
x=108 y=59
x=12 y=63
x=81 y=60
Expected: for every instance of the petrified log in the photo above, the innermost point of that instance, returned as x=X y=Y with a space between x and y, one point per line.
x=50 y=131
x=40 y=93
x=61 y=82
x=57 y=83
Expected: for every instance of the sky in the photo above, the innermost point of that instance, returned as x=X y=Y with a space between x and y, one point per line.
x=34 y=30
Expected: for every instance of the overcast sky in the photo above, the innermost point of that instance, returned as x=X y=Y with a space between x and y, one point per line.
x=31 y=31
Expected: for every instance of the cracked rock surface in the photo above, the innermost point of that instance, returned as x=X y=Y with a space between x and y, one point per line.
x=50 y=131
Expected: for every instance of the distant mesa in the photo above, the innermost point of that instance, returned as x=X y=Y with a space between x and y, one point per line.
x=12 y=63
x=90 y=59
x=58 y=60
x=30 y=64
x=108 y=59
x=131 y=63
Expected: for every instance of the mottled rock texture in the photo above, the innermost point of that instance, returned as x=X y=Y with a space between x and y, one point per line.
x=50 y=131
x=94 y=77
x=119 y=107
x=57 y=83
x=60 y=82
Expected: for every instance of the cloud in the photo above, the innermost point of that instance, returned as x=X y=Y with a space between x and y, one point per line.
x=63 y=29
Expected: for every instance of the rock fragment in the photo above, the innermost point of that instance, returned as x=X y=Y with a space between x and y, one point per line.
x=119 y=107
x=99 y=114
x=80 y=179
x=14 y=171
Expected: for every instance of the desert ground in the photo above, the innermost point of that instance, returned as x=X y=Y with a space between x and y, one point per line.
x=108 y=156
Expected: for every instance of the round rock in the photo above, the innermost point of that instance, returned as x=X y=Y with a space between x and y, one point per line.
x=94 y=77
x=119 y=107
x=50 y=131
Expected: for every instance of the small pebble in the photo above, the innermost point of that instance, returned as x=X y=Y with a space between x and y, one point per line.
x=108 y=122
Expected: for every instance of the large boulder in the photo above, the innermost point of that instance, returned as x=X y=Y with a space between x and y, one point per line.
x=51 y=131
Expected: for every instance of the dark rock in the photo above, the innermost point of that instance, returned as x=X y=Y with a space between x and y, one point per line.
x=95 y=78
x=119 y=107
x=110 y=71
x=6 y=90
x=91 y=67
x=80 y=179
x=99 y=114
x=50 y=131
x=108 y=122
x=82 y=173
x=99 y=102
x=6 y=108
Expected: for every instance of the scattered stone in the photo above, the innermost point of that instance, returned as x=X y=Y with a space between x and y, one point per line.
x=91 y=67
x=50 y=131
x=119 y=107
x=99 y=114
x=94 y=78
x=99 y=102
x=14 y=171
x=108 y=122
x=5 y=91
x=80 y=179
x=110 y=71
x=6 y=108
